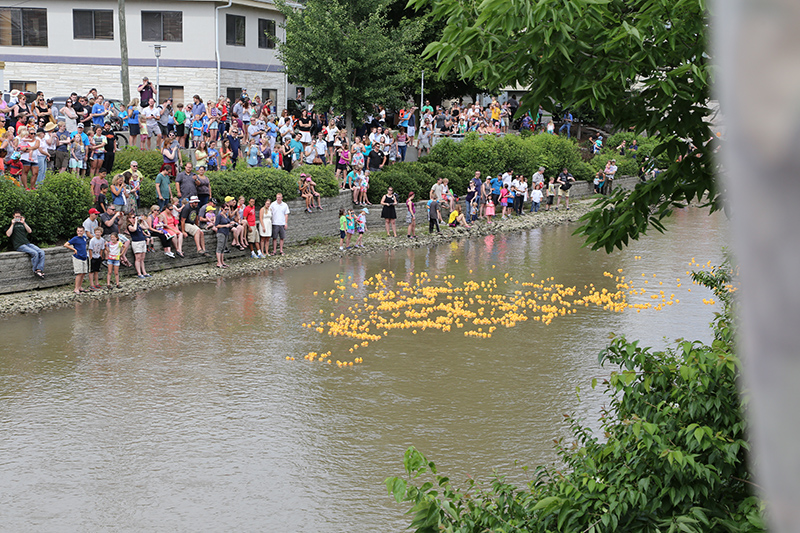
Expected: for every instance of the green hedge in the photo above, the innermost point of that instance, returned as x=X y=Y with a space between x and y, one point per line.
x=627 y=165
x=150 y=161
x=258 y=183
x=53 y=210
x=495 y=155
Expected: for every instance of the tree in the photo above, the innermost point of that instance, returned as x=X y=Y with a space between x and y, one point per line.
x=345 y=50
x=640 y=64
x=674 y=456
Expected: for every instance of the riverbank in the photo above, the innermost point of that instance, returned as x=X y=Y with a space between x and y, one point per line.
x=319 y=251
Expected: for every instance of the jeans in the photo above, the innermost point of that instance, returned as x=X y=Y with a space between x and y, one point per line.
x=565 y=125
x=36 y=253
x=468 y=212
x=534 y=207
x=42 y=162
x=162 y=203
x=402 y=151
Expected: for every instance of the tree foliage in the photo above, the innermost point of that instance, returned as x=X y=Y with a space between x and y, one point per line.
x=639 y=64
x=673 y=456
x=347 y=52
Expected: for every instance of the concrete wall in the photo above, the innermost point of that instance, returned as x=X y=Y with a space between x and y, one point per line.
x=16 y=274
x=69 y=64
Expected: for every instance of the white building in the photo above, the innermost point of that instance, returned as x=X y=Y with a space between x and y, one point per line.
x=60 y=46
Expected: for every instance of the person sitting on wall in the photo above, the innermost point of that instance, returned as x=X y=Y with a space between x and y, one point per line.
x=18 y=232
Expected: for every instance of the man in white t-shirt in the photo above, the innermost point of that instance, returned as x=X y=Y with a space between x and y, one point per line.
x=151 y=114
x=280 y=222
x=437 y=191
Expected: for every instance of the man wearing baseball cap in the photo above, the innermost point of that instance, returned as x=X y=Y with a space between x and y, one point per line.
x=91 y=223
x=190 y=218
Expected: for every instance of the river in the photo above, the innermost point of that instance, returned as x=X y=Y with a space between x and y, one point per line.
x=177 y=410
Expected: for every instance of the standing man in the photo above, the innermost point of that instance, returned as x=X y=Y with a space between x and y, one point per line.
x=146 y=91
x=111 y=149
x=18 y=232
x=567 y=124
x=99 y=112
x=537 y=180
x=190 y=215
x=185 y=184
x=496 y=184
x=280 y=222
x=565 y=180
x=253 y=238
x=163 y=192
x=610 y=171
x=151 y=115
x=164 y=117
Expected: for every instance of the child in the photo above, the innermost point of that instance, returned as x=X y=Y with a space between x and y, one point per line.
x=596 y=181
x=101 y=203
x=80 y=267
x=489 y=210
x=210 y=215
x=96 y=247
x=351 y=227
x=536 y=199
x=113 y=253
x=551 y=193
x=361 y=227
x=213 y=153
x=504 y=201
x=197 y=132
x=342 y=228
x=135 y=186
x=77 y=156
x=252 y=154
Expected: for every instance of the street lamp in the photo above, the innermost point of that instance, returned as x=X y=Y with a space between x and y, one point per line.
x=157 y=50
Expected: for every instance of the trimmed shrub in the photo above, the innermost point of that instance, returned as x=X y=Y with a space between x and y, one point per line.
x=495 y=155
x=626 y=166
x=150 y=161
x=258 y=183
x=323 y=176
x=53 y=211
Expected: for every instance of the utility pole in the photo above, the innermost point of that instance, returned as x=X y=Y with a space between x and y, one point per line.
x=123 y=54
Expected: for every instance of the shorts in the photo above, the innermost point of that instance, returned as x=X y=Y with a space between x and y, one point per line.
x=113 y=262
x=191 y=229
x=134 y=130
x=163 y=129
x=74 y=163
x=80 y=266
x=341 y=234
x=550 y=200
x=222 y=240
x=411 y=131
x=252 y=234
x=152 y=131
x=98 y=157
x=180 y=131
x=139 y=247
x=62 y=159
x=409 y=217
x=278 y=232
x=95 y=264
x=562 y=192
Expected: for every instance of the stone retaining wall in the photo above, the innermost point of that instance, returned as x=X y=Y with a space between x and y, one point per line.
x=16 y=274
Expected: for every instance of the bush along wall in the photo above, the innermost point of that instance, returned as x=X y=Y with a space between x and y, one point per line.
x=53 y=210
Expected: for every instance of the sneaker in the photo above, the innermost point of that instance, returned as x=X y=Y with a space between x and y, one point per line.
x=148 y=276
x=341 y=247
x=253 y=255
x=140 y=276
x=170 y=254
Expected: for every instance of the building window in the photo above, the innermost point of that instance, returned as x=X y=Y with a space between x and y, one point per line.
x=162 y=26
x=233 y=93
x=22 y=86
x=93 y=24
x=266 y=33
x=23 y=27
x=269 y=94
x=171 y=91
x=234 y=30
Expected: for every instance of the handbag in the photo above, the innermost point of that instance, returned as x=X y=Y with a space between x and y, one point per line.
x=317 y=160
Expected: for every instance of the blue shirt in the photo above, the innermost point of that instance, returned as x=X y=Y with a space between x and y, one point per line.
x=496 y=184
x=297 y=146
x=79 y=243
x=98 y=108
x=84 y=137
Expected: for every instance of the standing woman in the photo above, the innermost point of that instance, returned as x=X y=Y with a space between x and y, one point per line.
x=411 y=216
x=70 y=116
x=132 y=121
x=287 y=152
x=388 y=213
x=170 y=152
x=117 y=191
x=342 y=160
x=245 y=118
x=136 y=228
x=28 y=146
x=225 y=154
x=304 y=125
x=201 y=155
x=265 y=226
x=402 y=143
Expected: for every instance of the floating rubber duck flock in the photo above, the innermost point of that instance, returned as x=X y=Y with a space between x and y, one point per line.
x=477 y=309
